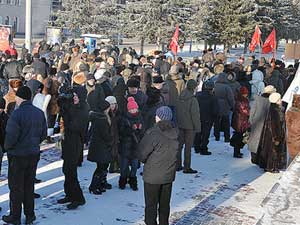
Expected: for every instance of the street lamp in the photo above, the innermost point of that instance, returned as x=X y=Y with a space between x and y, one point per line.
x=28 y=26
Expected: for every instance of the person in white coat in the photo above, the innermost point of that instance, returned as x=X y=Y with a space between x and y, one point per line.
x=257 y=82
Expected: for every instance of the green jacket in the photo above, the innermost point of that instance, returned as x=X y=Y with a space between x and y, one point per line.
x=188 y=112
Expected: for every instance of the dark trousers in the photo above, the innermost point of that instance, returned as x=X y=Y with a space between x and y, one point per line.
x=21 y=174
x=157 y=199
x=222 y=123
x=101 y=169
x=186 y=137
x=202 y=138
x=71 y=185
x=124 y=167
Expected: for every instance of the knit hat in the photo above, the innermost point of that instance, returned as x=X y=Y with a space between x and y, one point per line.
x=79 y=78
x=111 y=100
x=191 y=85
x=244 y=91
x=2 y=103
x=24 y=93
x=81 y=93
x=275 y=98
x=269 y=89
x=133 y=83
x=99 y=74
x=164 y=113
x=104 y=105
x=132 y=104
x=158 y=80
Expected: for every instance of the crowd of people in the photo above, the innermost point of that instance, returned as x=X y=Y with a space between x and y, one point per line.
x=131 y=110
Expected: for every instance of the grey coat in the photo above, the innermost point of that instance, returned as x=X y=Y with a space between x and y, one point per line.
x=158 y=151
x=258 y=114
x=224 y=94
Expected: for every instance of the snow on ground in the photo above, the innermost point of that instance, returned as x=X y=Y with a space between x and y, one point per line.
x=225 y=189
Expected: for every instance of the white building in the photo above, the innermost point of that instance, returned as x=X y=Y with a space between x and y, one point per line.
x=12 y=12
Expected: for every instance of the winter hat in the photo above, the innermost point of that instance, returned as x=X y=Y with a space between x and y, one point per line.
x=174 y=70
x=64 y=67
x=133 y=83
x=275 y=97
x=104 y=105
x=24 y=93
x=191 y=85
x=79 y=78
x=132 y=104
x=28 y=69
x=158 y=80
x=34 y=85
x=15 y=83
x=219 y=69
x=164 y=113
x=83 y=67
x=2 y=103
x=269 y=89
x=81 y=93
x=111 y=99
x=244 y=91
x=99 y=74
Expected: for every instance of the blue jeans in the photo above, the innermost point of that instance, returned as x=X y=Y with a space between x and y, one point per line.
x=125 y=163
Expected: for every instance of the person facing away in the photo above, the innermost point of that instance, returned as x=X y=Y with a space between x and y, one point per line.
x=158 y=151
x=25 y=131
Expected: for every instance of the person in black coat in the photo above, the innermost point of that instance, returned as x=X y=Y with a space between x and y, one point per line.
x=25 y=131
x=12 y=69
x=100 y=148
x=208 y=105
x=39 y=66
x=75 y=113
x=131 y=129
x=3 y=122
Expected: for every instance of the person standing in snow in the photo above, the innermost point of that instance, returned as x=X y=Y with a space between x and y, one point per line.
x=75 y=114
x=25 y=131
x=188 y=118
x=131 y=129
x=158 y=151
x=3 y=122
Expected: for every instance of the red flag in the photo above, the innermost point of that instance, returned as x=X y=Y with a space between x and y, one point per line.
x=174 y=42
x=270 y=43
x=255 y=39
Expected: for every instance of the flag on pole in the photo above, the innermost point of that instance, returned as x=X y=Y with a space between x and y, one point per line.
x=255 y=39
x=270 y=43
x=174 y=42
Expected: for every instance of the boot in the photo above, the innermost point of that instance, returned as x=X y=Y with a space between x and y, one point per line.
x=104 y=185
x=122 y=182
x=30 y=219
x=11 y=220
x=75 y=205
x=95 y=184
x=237 y=153
x=133 y=183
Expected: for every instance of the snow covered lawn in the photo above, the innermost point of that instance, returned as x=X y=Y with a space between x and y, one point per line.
x=225 y=189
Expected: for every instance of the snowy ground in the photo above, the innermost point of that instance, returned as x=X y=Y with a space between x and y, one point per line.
x=225 y=191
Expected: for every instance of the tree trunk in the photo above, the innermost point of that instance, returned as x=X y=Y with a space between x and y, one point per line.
x=245 y=46
x=215 y=47
x=191 y=45
x=142 y=45
x=205 y=45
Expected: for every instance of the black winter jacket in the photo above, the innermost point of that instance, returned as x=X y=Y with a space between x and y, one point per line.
x=208 y=105
x=12 y=70
x=25 y=130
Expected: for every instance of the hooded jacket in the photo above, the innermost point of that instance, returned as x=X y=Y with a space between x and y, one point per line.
x=224 y=94
x=158 y=150
x=176 y=86
x=188 y=112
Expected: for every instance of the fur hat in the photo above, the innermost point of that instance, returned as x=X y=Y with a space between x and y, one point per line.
x=269 y=89
x=132 y=104
x=164 y=113
x=158 y=80
x=79 y=78
x=111 y=99
x=24 y=93
x=15 y=83
x=28 y=69
x=174 y=70
x=134 y=83
x=219 y=69
x=64 y=67
x=275 y=98
x=104 y=105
